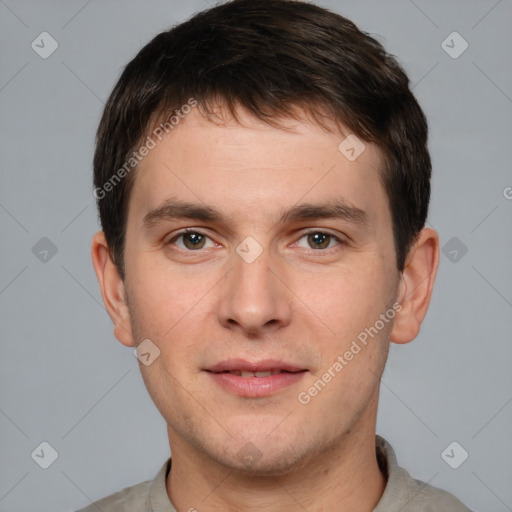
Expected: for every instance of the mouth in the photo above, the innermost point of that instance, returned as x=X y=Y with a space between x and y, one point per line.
x=255 y=379
x=245 y=374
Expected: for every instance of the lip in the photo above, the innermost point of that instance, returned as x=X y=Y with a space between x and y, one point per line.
x=255 y=387
x=253 y=366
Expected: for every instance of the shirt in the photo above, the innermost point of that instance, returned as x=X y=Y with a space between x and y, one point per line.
x=402 y=492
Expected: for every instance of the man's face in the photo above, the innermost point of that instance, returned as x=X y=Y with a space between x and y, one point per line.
x=270 y=276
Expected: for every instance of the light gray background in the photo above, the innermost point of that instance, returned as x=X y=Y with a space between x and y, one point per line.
x=64 y=377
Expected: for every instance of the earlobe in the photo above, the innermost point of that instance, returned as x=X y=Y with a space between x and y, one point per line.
x=112 y=289
x=416 y=286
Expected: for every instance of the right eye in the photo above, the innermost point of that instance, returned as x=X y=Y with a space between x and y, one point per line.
x=191 y=240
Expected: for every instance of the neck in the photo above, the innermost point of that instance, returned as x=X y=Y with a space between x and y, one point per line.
x=344 y=477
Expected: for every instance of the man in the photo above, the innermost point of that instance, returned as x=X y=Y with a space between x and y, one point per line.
x=263 y=181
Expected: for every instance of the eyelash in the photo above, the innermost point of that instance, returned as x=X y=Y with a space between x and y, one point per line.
x=339 y=241
x=183 y=232
x=187 y=232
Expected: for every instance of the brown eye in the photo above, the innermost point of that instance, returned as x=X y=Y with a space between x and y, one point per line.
x=191 y=241
x=319 y=240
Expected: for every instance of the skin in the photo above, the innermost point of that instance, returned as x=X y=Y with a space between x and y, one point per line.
x=294 y=303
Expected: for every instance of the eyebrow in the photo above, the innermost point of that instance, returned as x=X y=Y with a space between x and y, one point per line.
x=337 y=209
x=175 y=209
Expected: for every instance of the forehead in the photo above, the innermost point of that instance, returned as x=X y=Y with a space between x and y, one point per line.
x=251 y=169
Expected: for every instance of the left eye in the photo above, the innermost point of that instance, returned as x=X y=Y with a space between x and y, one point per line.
x=318 y=240
x=192 y=240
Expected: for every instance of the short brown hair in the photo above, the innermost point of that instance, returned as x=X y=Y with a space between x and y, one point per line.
x=271 y=57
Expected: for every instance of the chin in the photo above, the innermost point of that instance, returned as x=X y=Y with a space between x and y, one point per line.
x=262 y=450
x=271 y=461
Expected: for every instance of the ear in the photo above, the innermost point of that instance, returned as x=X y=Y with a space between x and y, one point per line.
x=416 y=286
x=112 y=289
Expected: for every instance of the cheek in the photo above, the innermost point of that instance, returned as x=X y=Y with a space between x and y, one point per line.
x=346 y=299
x=162 y=299
x=172 y=310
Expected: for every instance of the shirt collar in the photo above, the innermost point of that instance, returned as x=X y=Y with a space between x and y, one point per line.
x=158 y=499
x=397 y=491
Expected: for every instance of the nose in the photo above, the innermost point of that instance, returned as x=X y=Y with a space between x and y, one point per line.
x=253 y=298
